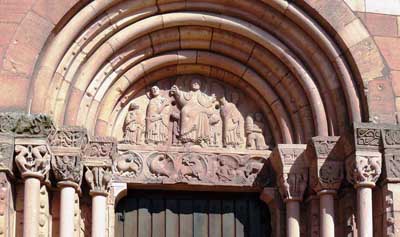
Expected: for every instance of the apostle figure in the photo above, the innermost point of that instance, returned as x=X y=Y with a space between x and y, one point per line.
x=233 y=123
x=196 y=110
x=133 y=125
x=254 y=132
x=157 y=118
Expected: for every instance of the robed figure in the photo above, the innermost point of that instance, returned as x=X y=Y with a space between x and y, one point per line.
x=196 y=113
x=133 y=126
x=157 y=118
x=233 y=124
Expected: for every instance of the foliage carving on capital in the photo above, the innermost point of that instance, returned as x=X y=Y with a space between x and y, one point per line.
x=26 y=124
x=364 y=168
x=67 y=167
x=99 y=179
x=32 y=159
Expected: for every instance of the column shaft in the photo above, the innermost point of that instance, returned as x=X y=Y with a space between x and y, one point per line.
x=67 y=211
x=293 y=218
x=364 y=202
x=327 y=214
x=99 y=208
x=31 y=207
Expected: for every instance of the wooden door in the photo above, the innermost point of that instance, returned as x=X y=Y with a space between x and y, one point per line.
x=194 y=214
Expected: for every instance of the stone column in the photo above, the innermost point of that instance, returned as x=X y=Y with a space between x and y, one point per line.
x=363 y=170
x=99 y=180
x=326 y=175
x=67 y=144
x=98 y=156
x=289 y=165
x=33 y=162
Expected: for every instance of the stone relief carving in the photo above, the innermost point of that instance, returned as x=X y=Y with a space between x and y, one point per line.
x=194 y=111
x=293 y=185
x=254 y=132
x=363 y=168
x=128 y=164
x=68 y=137
x=99 y=179
x=368 y=136
x=32 y=159
x=100 y=151
x=25 y=124
x=157 y=118
x=391 y=137
x=67 y=167
x=194 y=168
x=133 y=126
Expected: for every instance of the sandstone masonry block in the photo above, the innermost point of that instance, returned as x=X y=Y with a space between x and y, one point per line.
x=381 y=25
x=390 y=49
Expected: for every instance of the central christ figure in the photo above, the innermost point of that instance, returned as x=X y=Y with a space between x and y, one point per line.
x=196 y=113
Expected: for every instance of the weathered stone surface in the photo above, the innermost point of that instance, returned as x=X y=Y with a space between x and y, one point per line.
x=100 y=151
x=26 y=124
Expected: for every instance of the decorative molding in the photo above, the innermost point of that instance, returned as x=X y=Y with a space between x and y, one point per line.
x=290 y=167
x=364 y=168
x=99 y=180
x=32 y=157
x=26 y=124
x=326 y=170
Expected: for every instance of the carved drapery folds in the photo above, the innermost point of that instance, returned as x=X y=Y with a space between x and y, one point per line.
x=289 y=165
x=66 y=144
x=195 y=111
x=326 y=169
x=99 y=180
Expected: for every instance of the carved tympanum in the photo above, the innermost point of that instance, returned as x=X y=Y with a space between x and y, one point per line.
x=364 y=168
x=32 y=159
x=99 y=179
x=194 y=111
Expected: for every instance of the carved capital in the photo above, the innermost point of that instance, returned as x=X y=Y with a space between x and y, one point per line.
x=289 y=164
x=26 y=124
x=364 y=168
x=100 y=151
x=71 y=137
x=99 y=180
x=7 y=153
x=67 y=167
x=32 y=157
x=391 y=155
x=326 y=170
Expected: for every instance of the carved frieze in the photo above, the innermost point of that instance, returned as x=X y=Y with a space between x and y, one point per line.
x=194 y=111
x=99 y=179
x=6 y=153
x=32 y=157
x=364 y=168
x=26 y=124
x=68 y=137
x=197 y=168
x=100 y=151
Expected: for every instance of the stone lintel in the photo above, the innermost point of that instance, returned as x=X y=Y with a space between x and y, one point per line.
x=326 y=169
x=292 y=173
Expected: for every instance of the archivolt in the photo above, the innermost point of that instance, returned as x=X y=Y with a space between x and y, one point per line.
x=107 y=51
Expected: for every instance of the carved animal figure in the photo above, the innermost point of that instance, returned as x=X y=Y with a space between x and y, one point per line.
x=162 y=166
x=191 y=169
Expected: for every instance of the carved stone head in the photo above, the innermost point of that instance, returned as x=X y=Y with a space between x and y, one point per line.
x=196 y=84
x=155 y=91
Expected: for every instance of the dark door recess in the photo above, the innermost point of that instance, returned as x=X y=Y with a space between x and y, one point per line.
x=194 y=214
